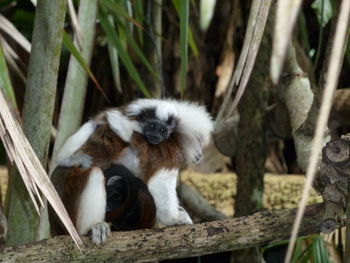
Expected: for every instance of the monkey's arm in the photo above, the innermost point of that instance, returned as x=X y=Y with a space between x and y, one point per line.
x=83 y=193
x=162 y=186
x=101 y=138
x=74 y=143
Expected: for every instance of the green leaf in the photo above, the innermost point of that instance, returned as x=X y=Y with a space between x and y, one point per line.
x=114 y=60
x=297 y=250
x=75 y=52
x=124 y=56
x=274 y=244
x=184 y=17
x=323 y=10
x=191 y=41
x=118 y=11
x=320 y=251
x=192 y=44
x=5 y=82
x=139 y=52
x=306 y=254
x=139 y=16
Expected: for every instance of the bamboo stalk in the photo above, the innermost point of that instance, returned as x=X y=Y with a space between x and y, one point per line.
x=76 y=82
x=37 y=112
x=153 y=47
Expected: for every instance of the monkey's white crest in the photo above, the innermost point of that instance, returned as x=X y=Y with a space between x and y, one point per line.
x=163 y=109
x=195 y=125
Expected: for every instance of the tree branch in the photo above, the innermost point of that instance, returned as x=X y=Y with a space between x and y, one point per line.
x=174 y=242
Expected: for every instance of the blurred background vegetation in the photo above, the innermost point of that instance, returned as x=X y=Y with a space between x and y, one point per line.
x=114 y=51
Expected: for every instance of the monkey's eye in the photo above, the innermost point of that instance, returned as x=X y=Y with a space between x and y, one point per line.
x=150 y=125
x=162 y=129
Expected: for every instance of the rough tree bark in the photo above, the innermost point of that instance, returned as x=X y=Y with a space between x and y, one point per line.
x=332 y=180
x=174 y=242
x=251 y=145
x=294 y=91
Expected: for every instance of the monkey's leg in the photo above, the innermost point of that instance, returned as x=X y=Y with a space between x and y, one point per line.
x=92 y=208
x=162 y=187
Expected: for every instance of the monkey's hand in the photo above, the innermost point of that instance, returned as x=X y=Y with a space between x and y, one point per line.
x=196 y=157
x=77 y=159
x=100 y=232
x=184 y=218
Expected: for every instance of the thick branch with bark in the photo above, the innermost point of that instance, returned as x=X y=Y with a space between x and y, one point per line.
x=294 y=91
x=174 y=242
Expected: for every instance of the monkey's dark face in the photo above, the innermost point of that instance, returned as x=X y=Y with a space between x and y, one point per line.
x=155 y=130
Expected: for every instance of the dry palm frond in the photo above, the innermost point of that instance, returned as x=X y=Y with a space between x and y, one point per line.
x=30 y=168
x=255 y=30
x=327 y=99
x=12 y=31
x=11 y=56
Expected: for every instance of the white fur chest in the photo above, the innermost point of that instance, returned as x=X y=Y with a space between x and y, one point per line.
x=130 y=160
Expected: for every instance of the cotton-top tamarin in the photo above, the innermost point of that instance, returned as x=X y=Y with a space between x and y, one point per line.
x=153 y=140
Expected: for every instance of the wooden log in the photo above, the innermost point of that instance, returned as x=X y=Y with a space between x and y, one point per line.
x=173 y=242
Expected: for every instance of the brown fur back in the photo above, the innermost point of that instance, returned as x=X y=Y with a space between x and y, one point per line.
x=104 y=146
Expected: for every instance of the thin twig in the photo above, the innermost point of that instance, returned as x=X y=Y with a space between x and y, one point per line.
x=75 y=24
x=255 y=30
x=13 y=32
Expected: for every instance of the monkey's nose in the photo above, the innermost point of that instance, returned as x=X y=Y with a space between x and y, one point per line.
x=153 y=139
